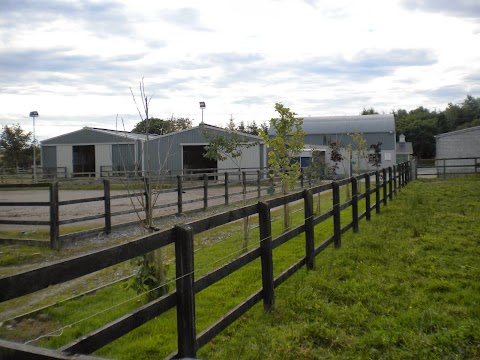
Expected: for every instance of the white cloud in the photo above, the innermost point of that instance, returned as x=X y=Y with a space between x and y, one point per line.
x=74 y=62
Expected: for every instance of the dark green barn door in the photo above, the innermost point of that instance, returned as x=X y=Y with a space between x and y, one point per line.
x=84 y=160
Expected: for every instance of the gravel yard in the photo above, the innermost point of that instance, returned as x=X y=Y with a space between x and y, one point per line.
x=42 y=213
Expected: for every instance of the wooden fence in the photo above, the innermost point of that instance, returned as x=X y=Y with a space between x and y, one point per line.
x=449 y=167
x=387 y=183
x=261 y=185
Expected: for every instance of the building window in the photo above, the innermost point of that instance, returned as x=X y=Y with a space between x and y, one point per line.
x=372 y=158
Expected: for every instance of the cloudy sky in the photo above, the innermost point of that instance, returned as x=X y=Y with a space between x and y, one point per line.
x=75 y=61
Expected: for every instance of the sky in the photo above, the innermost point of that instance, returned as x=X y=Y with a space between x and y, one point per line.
x=77 y=63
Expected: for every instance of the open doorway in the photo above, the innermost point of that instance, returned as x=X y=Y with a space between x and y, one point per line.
x=194 y=162
x=83 y=160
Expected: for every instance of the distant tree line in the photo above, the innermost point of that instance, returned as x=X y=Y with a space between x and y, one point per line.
x=421 y=124
x=162 y=126
x=17 y=148
x=250 y=128
x=166 y=126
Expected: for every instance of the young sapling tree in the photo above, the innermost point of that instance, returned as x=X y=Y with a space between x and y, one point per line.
x=285 y=145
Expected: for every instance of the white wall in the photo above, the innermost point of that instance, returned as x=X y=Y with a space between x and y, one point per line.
x=65 y=157
x=250 y=159
x=388 y=159
x=103 y=157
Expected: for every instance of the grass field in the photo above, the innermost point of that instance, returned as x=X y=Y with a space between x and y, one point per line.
x=405 y=286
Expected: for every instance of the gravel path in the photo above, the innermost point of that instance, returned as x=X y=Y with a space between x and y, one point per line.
x=42 y=213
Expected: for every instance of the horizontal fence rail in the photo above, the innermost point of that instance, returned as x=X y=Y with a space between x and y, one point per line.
x=449 y=167
x=387 y=184
x=257 y=183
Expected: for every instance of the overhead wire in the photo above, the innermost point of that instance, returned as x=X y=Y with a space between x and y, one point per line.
x=61 y=329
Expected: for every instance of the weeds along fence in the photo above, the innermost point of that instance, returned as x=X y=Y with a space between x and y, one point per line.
x=232 y=185
x=378 y=192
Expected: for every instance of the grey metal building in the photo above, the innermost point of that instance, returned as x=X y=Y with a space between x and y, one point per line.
x=183 y=151
x=458 y=144
x=404 y=150
x=322 y=131
x=100 y=152
x=91 y=151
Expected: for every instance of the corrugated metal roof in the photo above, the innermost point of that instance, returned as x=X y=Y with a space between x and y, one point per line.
x=126 y=134
x=214 y=128
x=87 y=134
x=348 y=124
x=475 y=128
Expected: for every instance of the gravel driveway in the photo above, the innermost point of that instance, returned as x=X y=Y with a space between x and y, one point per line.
x=42 y=213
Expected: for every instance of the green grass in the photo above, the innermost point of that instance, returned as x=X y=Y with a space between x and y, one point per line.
x=405 y=286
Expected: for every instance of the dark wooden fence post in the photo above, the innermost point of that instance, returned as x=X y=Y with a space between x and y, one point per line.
x=147 y=191
x=259 y=184
x=266 y=255
x=187 y=334
x=384 y=174
x=355 y=204
x=108 y=208
x=179 y=194
x=301 y=177
x=395 y=180
x=390 y=185
x=337 y=234
x=399 y=177
x=405 y=174
x=368 y=192
x=54 y=217
x=402 y=175
x=409 y=171
x=309 y=230
x=377 y=192
x=205 y=191
x=244 y=184
x=226 y=188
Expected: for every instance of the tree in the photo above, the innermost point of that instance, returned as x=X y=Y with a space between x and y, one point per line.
x=461 y=116
x=317 y=170
x=286 y=144
x=419 y=126
x=264 y=127
x=18 y=150
x=230 y=146
x=369 y=111
x=335 y=156
x=471 y=108
x=252 y=128
x=231 y=124
x=241 y=127
x=151 y=277
x=361 y=152
x=377 y=150
x=162 y=127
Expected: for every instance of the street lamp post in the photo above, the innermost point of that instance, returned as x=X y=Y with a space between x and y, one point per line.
x=33 y=115
x=202 y=106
